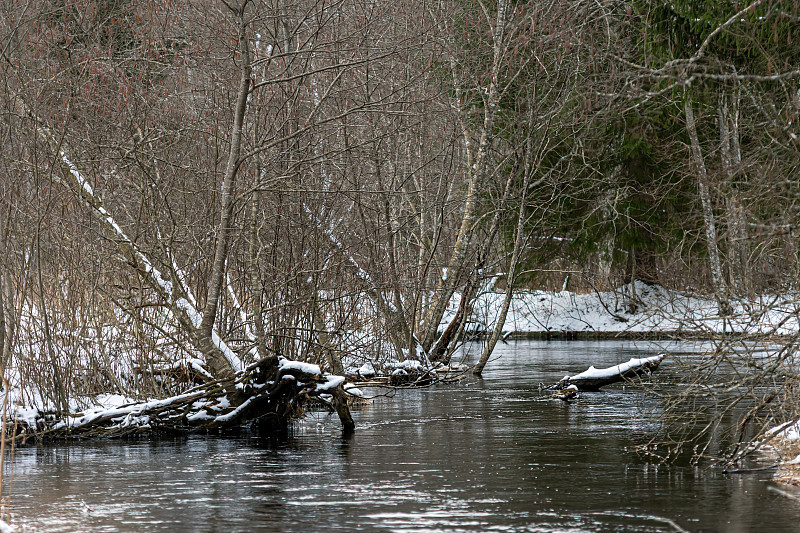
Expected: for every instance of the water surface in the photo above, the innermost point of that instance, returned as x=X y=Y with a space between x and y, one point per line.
x=489 y=454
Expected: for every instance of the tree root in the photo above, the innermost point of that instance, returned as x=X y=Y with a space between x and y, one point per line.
x=272 y=387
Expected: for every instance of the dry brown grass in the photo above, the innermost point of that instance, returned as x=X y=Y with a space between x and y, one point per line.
x=787 y=450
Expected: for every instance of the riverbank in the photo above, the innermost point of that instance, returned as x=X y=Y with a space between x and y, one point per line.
x=645 y=312
x=634 y=311
x=785 y=441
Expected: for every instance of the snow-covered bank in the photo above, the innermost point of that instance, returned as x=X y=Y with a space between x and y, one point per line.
x=644 y=310
x=785 y=440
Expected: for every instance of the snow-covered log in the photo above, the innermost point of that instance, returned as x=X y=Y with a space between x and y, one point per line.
x=594 y=378
x=272 y=389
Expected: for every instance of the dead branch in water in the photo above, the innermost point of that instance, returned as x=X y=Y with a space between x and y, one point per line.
x=277 y=389
x=594 y=378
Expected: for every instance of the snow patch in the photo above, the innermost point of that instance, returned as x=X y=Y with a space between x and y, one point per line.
x=184 y=305
x=366 y=370
x=307 y=368
x=600 y=373
x=787 y=431
x=331 y=383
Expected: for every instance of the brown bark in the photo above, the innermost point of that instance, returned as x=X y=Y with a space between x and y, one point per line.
x=231 y=170
x=519 y=240
x=255 y=277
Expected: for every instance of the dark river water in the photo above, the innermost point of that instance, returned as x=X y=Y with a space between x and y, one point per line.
x=487 y=454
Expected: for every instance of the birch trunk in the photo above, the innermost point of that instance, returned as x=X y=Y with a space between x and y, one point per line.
x=477 y=169
x=720 y=288
x=732 y=163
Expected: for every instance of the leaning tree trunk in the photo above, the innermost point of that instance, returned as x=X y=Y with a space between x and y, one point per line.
x=477 y=170
x=229 y=394
x=519 y=239
x=223 y=232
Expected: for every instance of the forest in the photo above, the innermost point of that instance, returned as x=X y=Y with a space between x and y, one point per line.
x=214 y=208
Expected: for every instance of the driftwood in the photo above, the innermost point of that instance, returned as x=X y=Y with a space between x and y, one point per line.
x=406 y=374
x=566 y=394
x=273 y=389
x=594 y=378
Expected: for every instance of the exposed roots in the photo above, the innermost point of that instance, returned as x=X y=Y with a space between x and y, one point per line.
x=272 y=388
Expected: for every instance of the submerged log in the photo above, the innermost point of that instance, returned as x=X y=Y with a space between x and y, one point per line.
x=594 y=378
x=273 y=388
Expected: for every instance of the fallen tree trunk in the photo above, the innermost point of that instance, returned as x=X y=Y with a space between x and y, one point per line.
x=276 y=389
x=594 y=378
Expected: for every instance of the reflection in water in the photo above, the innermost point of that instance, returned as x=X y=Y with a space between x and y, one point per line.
x=480 y=455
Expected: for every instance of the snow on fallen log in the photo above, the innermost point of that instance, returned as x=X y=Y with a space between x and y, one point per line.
x=277 y=389
x=594 y=378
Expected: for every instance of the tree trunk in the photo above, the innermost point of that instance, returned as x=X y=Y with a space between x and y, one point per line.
x=221 y=361
x=5 y=339
x=255 y=277
x=477 y=170
x=720 y=288
x=732 y=164
x=331 y=353
x=511 y=277
x=205 y=331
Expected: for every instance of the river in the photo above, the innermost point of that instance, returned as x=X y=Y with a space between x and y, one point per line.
x=487 y=454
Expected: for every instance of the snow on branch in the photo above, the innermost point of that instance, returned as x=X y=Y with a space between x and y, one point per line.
x=360 y=272
x=182 y=308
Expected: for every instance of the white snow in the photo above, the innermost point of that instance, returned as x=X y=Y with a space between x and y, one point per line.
x=352 y=390
x=794 y=461
x=199 y=415
x=231 y=414
x=595 y=373
x=789 y=431
x=76 y=174
x=308 y=368
x=331 y=383
x=657 y=310
x=112 y=410
x=408 y=364
x=366 y=370
x=27 y=415
x=232 y=358
x=184 y=305
x=182 y=281
x=339 y=246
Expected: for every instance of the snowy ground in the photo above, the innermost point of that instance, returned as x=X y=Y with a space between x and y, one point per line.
x=785 y=440
x=657 y=310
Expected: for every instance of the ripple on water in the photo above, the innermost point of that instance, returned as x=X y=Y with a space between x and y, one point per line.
x=491 y=454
